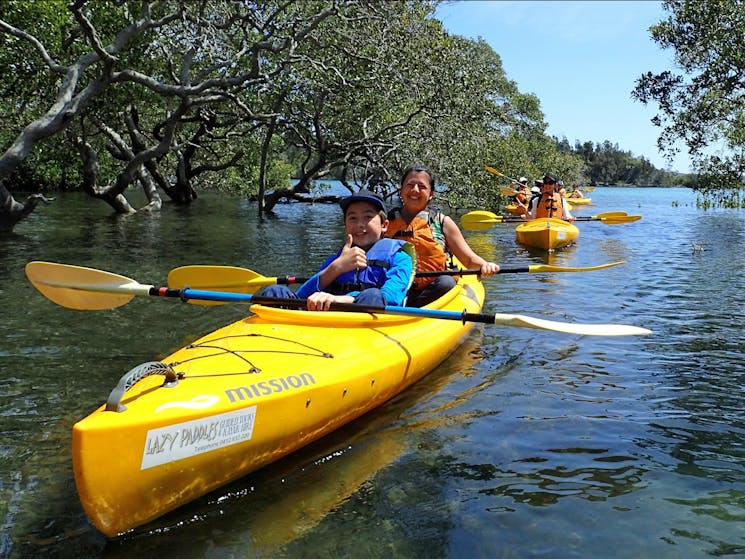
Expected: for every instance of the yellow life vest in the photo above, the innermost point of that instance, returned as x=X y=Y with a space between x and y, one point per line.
x=425 y=233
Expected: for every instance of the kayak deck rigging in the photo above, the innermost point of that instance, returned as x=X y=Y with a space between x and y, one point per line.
x=172 y=376
x=207 y=344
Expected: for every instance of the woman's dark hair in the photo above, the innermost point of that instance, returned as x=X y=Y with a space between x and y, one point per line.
x=418 y=169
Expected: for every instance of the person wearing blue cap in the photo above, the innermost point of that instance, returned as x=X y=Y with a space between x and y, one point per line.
x=369 y=269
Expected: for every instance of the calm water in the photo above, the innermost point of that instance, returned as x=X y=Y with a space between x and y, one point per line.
x=523 y=444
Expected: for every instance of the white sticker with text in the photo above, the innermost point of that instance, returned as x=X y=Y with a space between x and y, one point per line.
x=191 y=438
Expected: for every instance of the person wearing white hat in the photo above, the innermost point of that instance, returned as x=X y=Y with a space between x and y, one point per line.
x=520 y=199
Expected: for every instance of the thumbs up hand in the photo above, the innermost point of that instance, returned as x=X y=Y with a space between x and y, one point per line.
x=351 y=257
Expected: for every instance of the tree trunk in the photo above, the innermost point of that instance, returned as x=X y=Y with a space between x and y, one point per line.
x=273 y=198
x=12 y=211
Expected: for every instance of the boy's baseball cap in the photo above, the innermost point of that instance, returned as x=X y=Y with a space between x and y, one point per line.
x=363 y=196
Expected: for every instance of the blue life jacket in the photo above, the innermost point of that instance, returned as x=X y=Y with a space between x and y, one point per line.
x=379 y=260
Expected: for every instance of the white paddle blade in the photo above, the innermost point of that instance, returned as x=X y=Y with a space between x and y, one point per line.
x=570 y=328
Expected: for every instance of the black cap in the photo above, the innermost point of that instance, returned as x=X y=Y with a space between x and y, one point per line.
x=363 y=196
x=549 y=176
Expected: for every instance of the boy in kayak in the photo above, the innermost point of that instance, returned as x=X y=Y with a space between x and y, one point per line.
x=369 y=269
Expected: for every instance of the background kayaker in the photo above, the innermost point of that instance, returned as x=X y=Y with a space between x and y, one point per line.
x=576 y=192
x=550 y=203
x=560 y=189
x=369 y=269
x=434 y=235
x=535 y=192
x=521 y=198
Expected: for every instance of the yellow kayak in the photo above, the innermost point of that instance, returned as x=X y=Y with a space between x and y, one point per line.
x=579 y=201
x=246 y=395
x=546 y=233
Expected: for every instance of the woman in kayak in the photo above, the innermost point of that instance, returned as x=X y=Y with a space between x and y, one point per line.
x=369 y=269
x=434 y=235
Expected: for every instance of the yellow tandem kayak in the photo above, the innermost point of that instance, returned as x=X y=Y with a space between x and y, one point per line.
x=246 y=395
x=546 y=233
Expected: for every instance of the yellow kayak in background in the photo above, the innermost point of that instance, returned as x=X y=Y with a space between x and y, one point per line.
x=246 y=395
x=546 y=233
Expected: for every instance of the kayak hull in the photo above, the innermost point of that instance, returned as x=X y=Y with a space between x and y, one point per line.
x=246 y=395
x=580 y=201
x=546 y=233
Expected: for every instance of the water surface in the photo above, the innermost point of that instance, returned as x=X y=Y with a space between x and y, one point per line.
x=524 y=443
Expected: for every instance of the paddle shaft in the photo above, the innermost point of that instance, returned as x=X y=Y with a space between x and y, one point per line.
x=288 y=280
x=516 y=219
x=480 y=220
x=498 y=318
x=186 y=294
x=520 y=270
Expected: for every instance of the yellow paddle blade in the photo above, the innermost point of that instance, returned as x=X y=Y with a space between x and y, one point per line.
x=84 y=289
x=610 y=214
x=493 y=171
x=615 y=220
x=228 y=279
x=547 y=268
x=479 y=220
x=507 y=191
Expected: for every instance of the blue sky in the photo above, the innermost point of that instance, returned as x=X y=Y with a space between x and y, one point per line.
x=581 y=59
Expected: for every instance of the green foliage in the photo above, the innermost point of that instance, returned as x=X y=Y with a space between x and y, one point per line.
x=701 y=106
x=353 y=90
x=607 y=164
